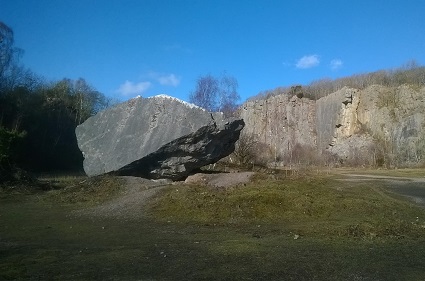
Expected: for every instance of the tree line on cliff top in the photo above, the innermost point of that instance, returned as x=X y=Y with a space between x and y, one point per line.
x=411 y=73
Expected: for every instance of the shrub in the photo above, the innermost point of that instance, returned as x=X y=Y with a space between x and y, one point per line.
x=9 y=141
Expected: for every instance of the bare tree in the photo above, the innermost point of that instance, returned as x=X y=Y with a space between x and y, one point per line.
x=6 y=47
x=206 y=91
x=216 y=94
x=12 y=75
x=228 y=95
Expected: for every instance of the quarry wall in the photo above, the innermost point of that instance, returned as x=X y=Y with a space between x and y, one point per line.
x=280 y=122
x=378 y=125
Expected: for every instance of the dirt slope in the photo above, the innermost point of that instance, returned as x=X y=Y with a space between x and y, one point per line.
x=138 y=191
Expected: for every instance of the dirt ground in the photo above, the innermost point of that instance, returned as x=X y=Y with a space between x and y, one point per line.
x=138 y=191
x=413 y=188
x=220 y=180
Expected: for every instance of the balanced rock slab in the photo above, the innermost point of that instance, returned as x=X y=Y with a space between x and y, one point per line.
x=178 y=158
x=131 y=131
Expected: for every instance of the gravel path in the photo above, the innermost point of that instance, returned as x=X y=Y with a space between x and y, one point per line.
x=130 y=204
x=388 y=178
x=413 y=188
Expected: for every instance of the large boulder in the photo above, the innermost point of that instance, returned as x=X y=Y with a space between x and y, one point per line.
x=178 y=158
x=158 y=137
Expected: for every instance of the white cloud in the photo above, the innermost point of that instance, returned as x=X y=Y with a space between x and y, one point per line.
x=286 y=64
x=169 y=80
x=165 y=79
x=129 y=88
x=308 y=62
x=336 y=64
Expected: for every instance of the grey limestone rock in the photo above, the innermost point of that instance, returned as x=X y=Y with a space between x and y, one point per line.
x=136 y=129
x=177 y=159
x=280 y=122
x=378 y=122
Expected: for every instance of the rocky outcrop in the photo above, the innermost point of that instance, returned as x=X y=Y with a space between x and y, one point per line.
x=177 y=159
x=377 y=120
x=336 y=117
x=280 y=122
x=375 y=125
x=395 y=117
x=138 y=128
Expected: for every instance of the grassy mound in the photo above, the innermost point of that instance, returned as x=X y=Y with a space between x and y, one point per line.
x=310 y=206
x=83 y=190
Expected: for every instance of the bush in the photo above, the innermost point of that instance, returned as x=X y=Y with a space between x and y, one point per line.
x=9 y=144
x=244 y=152
x=9 y=141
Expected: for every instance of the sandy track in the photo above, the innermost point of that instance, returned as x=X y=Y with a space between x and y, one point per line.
x=137 y=192
x=413 y=188
x=389 y=178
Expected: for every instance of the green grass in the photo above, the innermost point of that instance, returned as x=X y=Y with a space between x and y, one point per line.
x=344 y=231
x=83 y=190
x=315 y=207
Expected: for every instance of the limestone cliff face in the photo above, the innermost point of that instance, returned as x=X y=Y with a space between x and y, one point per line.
x=336 y=117
x=280 y=122
x=395 y=117
x=364 y=124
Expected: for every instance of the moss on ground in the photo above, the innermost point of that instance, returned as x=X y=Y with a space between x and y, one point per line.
x=311 y=207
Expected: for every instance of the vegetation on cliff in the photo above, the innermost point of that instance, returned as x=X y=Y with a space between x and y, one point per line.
x=411 y=73
x=370 y=120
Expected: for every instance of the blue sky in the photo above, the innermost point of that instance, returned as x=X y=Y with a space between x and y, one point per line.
x=128 y=48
